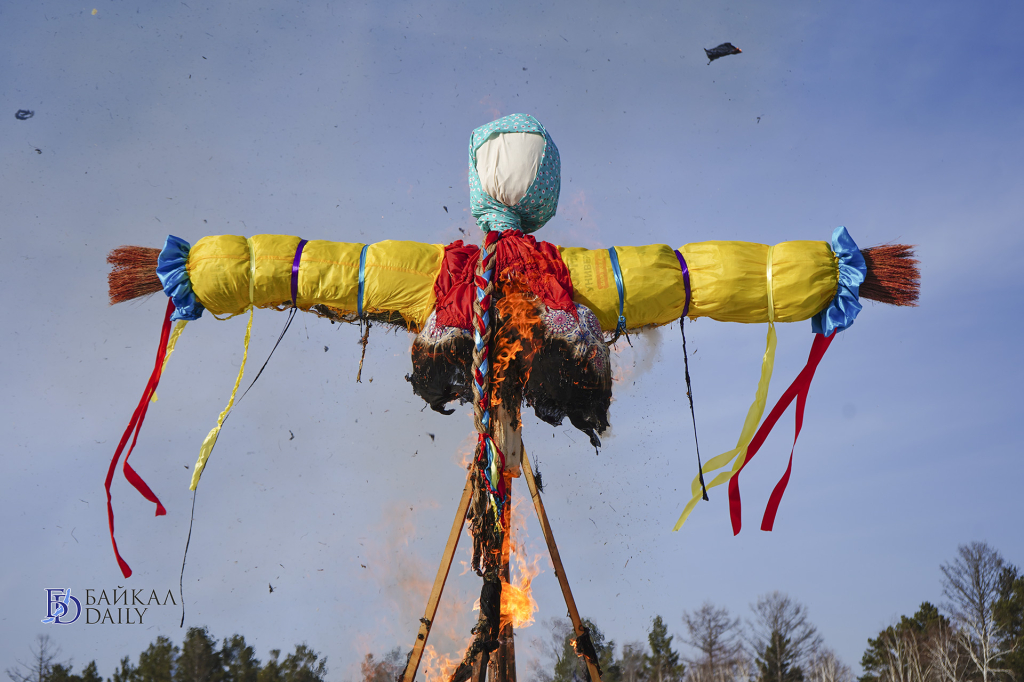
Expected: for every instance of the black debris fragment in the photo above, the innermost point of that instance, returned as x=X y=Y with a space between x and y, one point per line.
x=723 y=50
x=271 y=588
x=431 y=437
x=24 y=114
x=445 y=208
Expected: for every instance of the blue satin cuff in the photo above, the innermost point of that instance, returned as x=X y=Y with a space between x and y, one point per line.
x=170 y=269
x=843 y=309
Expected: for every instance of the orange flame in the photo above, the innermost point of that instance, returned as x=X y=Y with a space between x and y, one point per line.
x=517 y=603
x=439 y=667
x=518 y=308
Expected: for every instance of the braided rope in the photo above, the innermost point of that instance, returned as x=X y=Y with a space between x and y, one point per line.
x=482 y=331
x=490 y=459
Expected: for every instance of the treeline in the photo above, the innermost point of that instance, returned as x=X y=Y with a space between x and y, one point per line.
x=777 y=644
x=199 y=659
x=976 y=636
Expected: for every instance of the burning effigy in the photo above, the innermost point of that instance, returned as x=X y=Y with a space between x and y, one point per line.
x=515 y=322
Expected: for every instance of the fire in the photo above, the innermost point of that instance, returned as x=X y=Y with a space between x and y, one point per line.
x=518 y=308
x=517 y=602
x=505 y=352
x=438 y=667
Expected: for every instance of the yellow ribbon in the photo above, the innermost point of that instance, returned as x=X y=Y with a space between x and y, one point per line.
x=211 y=438
x=754 y=415
x=179 y=327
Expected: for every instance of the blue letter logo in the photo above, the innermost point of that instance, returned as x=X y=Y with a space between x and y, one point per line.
x=57 y=608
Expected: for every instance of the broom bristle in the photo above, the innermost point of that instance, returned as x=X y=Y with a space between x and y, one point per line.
x=893 y=276
x=133 y=274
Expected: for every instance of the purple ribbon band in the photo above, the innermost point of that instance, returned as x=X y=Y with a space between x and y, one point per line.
x=686 y=282
x=295 y=274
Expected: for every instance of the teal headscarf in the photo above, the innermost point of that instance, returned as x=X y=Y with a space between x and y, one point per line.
x=540 y=201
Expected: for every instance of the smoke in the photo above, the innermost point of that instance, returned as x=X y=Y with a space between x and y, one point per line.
x=630 y=362
x=404 y=579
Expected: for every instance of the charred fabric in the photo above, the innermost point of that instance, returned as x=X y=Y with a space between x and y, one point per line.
x=555 y=362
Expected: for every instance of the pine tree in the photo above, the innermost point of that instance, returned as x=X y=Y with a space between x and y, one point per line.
x=157 y=662
x=305 y=665
x=777 y=663
x=1008 y=613
x=199 y=660
x=125 y=673
x=90 y=673
x=239 y=660
x=662 y=664
x=271 y=670
x=62 y=673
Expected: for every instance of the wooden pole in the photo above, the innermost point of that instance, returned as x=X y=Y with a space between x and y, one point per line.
x=510 y=441
x=442 y=576
x=556 y=560
x=505 y=669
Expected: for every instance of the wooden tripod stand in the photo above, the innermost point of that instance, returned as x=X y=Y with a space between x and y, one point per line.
x=505 y=669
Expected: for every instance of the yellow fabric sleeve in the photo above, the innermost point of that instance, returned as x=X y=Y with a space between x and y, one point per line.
x=727 y=280
x=399 y=275
x=652 y=278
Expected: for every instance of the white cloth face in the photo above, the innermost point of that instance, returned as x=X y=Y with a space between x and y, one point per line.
x=507 y=164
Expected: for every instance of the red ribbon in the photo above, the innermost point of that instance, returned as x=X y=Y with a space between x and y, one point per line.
x=135 y=425
x=798 y=389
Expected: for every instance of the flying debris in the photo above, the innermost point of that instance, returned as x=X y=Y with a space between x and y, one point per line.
x=24 y=114
x=723 y=50
x=271 y=588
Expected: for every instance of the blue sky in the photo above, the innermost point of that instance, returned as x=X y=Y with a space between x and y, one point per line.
x=350 y=122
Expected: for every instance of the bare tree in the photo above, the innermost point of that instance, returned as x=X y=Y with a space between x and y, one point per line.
x=714 y=634
x=776 y=612
x=946 y=654
x=825 y=666
x=971 y=585
x=39 y=667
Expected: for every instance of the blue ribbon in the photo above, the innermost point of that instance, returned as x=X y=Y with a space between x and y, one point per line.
x=362 y=279
x=843 y=309
x=621 y=286
x=173 y=276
